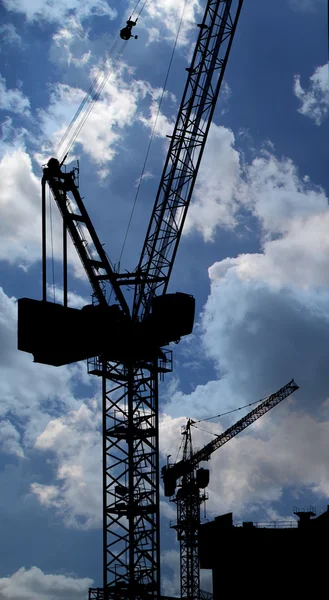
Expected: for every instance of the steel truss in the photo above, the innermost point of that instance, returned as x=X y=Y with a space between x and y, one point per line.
x=130 y=479
x=130 y=390
x=186 y=148
x=76 y=220
x=188 y=520
x=190 y=496
x=130 y=428
x=96 y=594
x=188 y=501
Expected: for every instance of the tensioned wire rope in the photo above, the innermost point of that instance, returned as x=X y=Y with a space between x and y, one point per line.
x=96 y=87
x=81 y=115
x=52 y=244
x=90 y=99
x=164 y=89
x=228 y=412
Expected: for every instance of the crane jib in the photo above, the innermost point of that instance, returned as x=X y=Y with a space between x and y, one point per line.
x=172 y=473
x=187 y=144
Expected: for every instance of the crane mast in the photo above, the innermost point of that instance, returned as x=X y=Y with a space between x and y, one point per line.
x=130 y=366
x=190 y=494
x=188 y=501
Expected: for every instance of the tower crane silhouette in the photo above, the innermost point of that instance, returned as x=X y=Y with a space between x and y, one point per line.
x=193 y=479
x=128 y=341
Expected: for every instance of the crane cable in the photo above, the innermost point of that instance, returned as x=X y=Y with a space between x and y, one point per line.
x=205 y=430
x=89 y=101
x=135 y=9
x=228 y=412
x=93 y=93
x=52 y=245
x=88 y=95
x=153 y=129
x=143 y=6
x=223 y=414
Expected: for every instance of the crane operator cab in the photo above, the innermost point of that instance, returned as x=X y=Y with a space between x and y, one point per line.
x=126 y=32
x=54 y=168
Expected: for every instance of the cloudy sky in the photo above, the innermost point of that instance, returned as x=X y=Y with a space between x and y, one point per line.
x=255 y=253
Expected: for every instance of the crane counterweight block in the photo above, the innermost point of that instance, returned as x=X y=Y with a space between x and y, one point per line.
x=58 y=335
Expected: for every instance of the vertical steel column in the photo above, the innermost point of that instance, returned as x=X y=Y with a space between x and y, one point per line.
x=44 y=240
x=64 y=263
x=188 y=521
x=188 y=500
x=131 y=481
x=131 y=474
x=104 y=478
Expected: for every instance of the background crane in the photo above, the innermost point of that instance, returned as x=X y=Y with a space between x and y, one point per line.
x=127 y=341
x=189 y=496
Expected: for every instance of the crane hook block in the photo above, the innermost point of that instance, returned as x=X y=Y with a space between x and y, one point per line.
x=126 y=32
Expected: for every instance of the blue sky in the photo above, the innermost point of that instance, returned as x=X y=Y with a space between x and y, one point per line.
x=255 y=253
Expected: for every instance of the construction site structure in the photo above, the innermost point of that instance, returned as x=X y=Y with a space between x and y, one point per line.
x=192 y=482
x=232 y=552
x=123 y=343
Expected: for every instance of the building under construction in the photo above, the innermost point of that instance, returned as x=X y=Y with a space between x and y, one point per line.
x=285 y=555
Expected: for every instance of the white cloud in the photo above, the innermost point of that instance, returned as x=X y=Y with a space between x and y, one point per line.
x=10 y=35
x=159 y=124
x=20 y=205
x=105 y=126
x=271 y=189
x=277 y=195
x=266 y=320
x=48 y=495
x=56 y=12
x=73 y=300
x=13 y=99
x=284 y=450
x=10 y=439
x=214 y=201
x=21 y=225
x=253 y=470
x=12 y=138
x=161 y=19
x=216 y=196
x=170 y=559
x=171 y=584
x=70 y=44
x=34 y=584
x=32 y=397
x=75 y=443
x=314 y=102
x=30 y=392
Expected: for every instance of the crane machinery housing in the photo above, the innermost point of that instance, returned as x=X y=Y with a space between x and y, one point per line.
x=193 y=479
x=125 y=344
